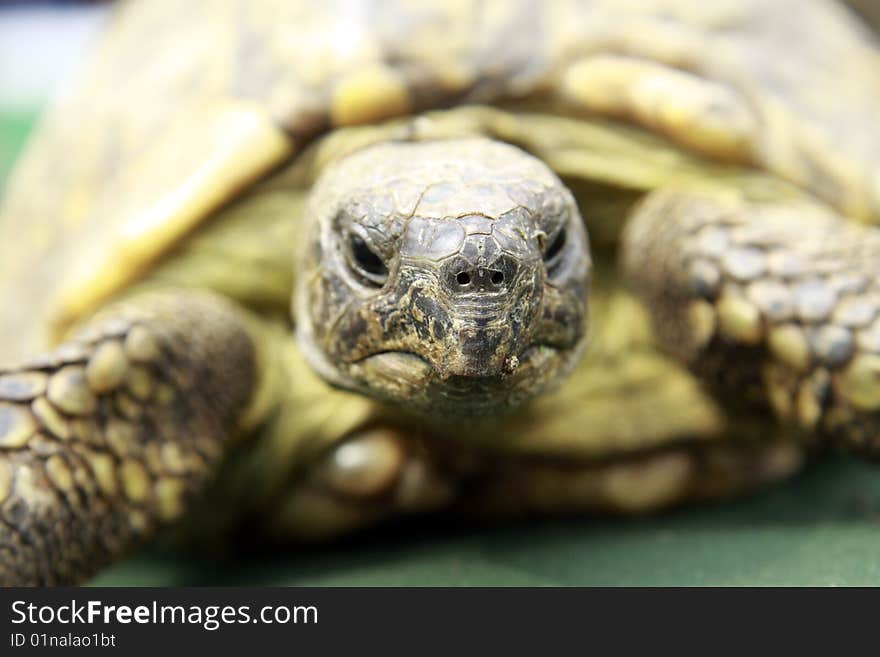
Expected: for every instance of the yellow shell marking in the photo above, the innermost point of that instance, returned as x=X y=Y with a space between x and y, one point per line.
x=368 y=95
x=170 y=190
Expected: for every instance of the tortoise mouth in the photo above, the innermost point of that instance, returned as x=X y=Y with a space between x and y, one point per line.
x=402 y=360
x=392 y=355
x=411 y=381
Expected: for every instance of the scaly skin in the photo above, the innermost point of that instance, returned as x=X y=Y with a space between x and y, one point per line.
x=770 y=302
x=448 y=277
x=108 y=436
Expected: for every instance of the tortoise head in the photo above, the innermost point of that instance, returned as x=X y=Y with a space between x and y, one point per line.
x=450 y=276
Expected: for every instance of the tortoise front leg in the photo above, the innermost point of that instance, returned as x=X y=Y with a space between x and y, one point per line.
x=107 y=437
x=777 y=303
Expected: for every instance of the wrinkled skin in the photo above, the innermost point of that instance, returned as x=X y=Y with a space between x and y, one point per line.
x=449 y=277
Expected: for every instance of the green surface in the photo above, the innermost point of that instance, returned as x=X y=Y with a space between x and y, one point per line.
x=823 y=528
x=14 y=128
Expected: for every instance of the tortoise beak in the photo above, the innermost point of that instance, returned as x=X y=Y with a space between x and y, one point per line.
x=481 y=352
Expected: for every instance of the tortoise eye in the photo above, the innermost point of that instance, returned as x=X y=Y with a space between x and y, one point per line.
x=365 y=262
x=550 y=255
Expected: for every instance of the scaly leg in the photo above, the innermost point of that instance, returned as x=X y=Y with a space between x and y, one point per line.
x=774 y=303
x=383 y=473
x=107 y=436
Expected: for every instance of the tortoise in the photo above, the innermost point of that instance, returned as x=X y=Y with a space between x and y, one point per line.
x=417 y=183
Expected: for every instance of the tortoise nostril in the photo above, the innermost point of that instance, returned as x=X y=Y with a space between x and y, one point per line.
x=463 y=278
x=497 y=278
